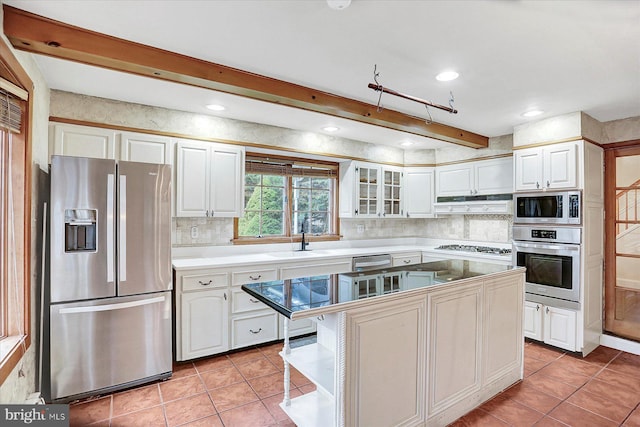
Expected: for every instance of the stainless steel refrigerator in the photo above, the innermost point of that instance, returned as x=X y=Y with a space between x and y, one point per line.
x=110 y=281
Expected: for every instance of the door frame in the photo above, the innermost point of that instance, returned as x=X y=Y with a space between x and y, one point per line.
x=611 y=153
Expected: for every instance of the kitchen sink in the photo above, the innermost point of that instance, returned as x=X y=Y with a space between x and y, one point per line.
x=298 y=254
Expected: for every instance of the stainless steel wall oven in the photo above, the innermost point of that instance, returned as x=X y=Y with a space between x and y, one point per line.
x=551 y=256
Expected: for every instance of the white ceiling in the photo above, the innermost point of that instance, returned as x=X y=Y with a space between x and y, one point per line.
x=512 y=55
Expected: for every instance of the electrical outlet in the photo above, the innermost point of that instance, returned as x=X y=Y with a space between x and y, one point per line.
x=194 y=232
x=360 y=228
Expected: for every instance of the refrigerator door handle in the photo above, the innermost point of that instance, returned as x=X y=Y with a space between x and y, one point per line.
x=110 y=307
x=110 y=229
x=122 y=257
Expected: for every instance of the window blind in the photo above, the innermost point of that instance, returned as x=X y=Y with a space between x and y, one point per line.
x=10 y=112
x=274 y=166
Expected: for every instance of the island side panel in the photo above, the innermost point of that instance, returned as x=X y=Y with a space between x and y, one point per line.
x=503 y=353
x=385 y=359
x=454 y=348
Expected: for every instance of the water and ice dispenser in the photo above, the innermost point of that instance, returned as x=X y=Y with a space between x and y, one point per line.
x=80 y=230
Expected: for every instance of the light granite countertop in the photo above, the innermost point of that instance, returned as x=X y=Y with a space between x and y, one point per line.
x=226 y=256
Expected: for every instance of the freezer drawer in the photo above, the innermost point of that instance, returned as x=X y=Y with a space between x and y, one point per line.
x=110 y=342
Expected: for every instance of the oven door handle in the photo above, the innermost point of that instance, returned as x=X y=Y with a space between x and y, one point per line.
x=549 y=247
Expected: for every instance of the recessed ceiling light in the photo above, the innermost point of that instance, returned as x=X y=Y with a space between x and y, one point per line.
x=406 y=144
x=216 y=107
x=447 y=76
x=330 y=128
x=338 y=4
x=532 y=113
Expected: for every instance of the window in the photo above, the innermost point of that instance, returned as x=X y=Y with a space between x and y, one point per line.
x=284 y=197
x=15 y=204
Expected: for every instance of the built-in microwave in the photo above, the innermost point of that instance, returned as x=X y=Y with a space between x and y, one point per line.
x=545 y=207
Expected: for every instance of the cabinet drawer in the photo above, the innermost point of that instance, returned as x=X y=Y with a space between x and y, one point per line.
x=328 y=267
x=242 y=302
x=408 y=259
x=198 y=282
x=297 y=327
x=254 y=329
x=266 y=274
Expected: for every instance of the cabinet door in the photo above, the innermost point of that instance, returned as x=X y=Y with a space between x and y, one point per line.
x=503 y=341
x=494 y=176
x=533 y=320
x=227 y=181
x=454 y=180
x=418 y=192
x=560 y=163
x=455 y=346
x=528 y=169
x=139 y=147
x=560 y=328
x=83 y=141
x=392 y=193
x=368 y=188
x=204 y=323
x=192 y=179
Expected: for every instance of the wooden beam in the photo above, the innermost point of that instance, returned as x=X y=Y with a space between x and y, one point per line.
x=40 y=35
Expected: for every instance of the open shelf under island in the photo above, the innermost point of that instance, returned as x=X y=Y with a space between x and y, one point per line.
x=405 y=346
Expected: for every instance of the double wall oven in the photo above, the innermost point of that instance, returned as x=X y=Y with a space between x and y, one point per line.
x=547 y=240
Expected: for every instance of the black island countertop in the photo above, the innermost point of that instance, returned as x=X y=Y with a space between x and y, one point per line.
x=292 y=297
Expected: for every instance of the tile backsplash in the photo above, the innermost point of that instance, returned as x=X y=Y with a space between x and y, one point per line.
x=492 y=228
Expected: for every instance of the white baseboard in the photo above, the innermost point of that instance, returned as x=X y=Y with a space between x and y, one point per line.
x=620 y=344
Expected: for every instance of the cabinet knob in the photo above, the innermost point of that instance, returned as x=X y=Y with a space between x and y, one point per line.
x=537 y=307
x=548 y=184
x=256 y=277
x=254 y=300
x=255 y=332
x=225 y=296
x=547 y=310
x=406 y=261
x=537 y=184
x=321 y=317
x=206 y=212
x=205 y=283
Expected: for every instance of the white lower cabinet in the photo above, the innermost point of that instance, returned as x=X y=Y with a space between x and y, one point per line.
x=406 y=258
x=533 y=320
x=254 y=329
x=552 y=325
x=204 y=324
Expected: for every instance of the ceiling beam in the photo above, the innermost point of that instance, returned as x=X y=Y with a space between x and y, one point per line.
x=40 y=35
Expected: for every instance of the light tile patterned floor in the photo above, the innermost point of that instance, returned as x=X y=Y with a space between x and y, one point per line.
x=244 y=389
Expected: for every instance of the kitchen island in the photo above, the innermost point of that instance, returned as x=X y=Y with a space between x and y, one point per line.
x=418 y=345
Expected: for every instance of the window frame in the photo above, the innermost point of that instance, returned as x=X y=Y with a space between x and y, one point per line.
x=294 y=236
x=14 y=345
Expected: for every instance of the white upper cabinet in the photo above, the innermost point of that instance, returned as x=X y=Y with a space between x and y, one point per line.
x=548 y=167
x=144 y=148
x=99 y=143
x=481 y=177
x=83 y=141
x=419 y=192
x=494 y=176
x=209 y=179
x=369 y=190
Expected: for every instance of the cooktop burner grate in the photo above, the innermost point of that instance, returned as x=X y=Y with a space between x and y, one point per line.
x=471 y=248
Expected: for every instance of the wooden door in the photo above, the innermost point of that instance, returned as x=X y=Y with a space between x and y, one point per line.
x=622 y=240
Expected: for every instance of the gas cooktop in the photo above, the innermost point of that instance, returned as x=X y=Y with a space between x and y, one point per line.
x=470 y=248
